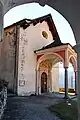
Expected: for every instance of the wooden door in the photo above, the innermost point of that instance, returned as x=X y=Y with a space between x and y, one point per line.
x=43 y=82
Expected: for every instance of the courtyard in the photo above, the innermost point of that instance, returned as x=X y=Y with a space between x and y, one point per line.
x=31 y=108
x=48 y=106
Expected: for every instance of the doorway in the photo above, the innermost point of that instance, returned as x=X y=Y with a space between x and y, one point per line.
x=43 y=82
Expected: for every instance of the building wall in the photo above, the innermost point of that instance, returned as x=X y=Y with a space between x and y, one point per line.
x=7 y=58
x=55 y=78
x=30 y=40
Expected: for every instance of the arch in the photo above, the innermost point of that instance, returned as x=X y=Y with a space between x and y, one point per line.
x=59 y=28
x=69 y=11
x=49 y=56
x=73 y=61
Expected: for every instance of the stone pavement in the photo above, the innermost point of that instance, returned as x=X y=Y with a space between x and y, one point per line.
x=30 y=108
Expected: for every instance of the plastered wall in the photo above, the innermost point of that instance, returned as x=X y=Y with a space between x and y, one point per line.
x=30 y=40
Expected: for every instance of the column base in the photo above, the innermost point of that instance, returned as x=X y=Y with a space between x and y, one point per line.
x=66 y=97
x=76 y=94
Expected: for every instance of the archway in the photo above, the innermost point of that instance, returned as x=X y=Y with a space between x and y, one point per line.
x=49 y=82
x=73 y=62
x=69 y=12
x=71 y=79
x=70 y=9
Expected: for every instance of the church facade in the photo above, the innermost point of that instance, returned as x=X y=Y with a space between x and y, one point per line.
x=29 y=52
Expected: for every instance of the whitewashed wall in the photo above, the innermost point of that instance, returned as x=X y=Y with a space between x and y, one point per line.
x=30 y=39
x=55 y=78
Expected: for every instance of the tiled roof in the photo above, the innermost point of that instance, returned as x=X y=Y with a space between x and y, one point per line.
x=56 y=43
x=48 y=18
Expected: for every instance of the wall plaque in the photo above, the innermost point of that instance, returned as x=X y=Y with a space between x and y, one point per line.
x=21 y=82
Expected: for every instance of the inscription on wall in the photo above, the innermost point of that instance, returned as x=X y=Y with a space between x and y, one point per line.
x=22 y=57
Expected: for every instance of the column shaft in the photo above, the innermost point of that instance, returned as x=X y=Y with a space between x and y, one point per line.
x=37 y=81
x=76 y=83
x=66 y=83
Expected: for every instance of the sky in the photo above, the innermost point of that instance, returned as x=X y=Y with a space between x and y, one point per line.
x=34 y=10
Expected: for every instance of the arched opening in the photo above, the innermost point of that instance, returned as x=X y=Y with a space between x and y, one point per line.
x=73 y=61
x=49 y=64
x=71 y=79
x=61 y=78
x=72 y=14
x=56 y=16
x=73 y=68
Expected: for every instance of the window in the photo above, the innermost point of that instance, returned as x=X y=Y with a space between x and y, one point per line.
x=45 y=35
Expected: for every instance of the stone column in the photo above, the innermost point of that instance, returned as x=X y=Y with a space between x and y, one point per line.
x=75 y=82
x=66 y=64
x=66 y=83
x=49 y=81
x=1 y=21
x=37 y=81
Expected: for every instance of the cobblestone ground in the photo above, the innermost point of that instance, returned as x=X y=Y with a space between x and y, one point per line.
x=30 y=108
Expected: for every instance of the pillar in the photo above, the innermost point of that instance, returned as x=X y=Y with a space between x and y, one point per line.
x=75 y=82
x=1 y=21
x=49 y=80
x=66 y=83
x=37 y=82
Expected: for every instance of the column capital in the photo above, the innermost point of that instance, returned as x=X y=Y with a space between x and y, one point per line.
x=77 y=48
x=75 y=71
x=66 y=67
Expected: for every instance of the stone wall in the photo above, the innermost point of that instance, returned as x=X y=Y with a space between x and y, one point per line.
x=7 y=57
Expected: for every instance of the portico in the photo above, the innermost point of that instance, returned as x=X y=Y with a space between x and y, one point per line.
x=47 y=57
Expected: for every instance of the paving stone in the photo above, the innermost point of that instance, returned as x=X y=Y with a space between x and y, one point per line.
x=30 y=108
